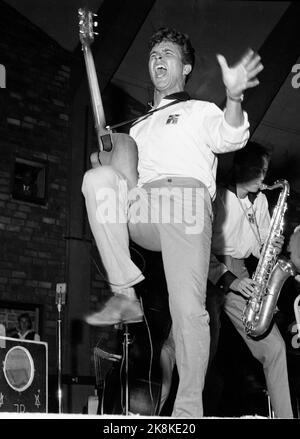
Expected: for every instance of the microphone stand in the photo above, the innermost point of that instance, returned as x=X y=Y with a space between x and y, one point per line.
x=60 y=300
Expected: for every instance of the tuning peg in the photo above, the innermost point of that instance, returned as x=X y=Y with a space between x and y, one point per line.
x=96 y=33
x=95 y=15
x=96 y=23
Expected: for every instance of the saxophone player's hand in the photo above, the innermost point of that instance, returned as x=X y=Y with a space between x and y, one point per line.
x=245 y=286
x=278 y=244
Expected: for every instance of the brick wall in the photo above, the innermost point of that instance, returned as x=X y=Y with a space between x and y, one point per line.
x=34 y=125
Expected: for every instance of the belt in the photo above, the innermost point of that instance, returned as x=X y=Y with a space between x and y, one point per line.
x=175 y=181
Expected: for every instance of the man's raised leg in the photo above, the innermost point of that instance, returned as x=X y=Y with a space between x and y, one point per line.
x=105 y=192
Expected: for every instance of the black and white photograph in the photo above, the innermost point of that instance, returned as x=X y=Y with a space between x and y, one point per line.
x=150 y=212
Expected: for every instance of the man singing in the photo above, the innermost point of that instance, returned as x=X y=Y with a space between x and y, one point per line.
x=177 y=147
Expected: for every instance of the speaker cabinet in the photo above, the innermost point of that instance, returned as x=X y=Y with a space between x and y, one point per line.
x=23 y=376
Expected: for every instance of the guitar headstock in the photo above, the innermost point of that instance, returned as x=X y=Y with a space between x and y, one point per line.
x=86 y=26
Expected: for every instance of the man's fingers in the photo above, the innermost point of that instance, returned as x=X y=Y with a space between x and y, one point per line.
x=279 y=239
x=255 y=71
x=246 y=294
x=249 y=289
x=246 y=59
x=253 y=62
x=222 y=61
x=249 y=286
x=251 y=84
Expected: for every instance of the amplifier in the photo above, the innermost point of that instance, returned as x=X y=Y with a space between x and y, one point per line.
x=23 y=376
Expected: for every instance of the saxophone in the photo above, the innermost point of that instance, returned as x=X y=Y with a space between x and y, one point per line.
x=271 y=272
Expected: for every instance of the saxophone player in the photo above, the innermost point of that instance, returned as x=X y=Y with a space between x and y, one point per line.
x=241 y=225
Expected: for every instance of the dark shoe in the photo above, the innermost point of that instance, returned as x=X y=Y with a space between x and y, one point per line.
x=118 y=309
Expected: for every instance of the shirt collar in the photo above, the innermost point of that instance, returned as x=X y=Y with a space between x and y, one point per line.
x=180 y=96
x=25 y=333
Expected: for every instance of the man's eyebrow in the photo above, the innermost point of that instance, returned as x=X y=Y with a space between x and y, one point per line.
x=164 y=49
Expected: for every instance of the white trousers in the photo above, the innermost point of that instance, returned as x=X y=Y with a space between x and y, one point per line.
x=160 y=222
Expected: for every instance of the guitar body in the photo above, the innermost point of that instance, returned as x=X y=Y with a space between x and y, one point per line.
x=123 y=157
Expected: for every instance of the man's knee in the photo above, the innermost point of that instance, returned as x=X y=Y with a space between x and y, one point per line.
x=278 y=347
x=193 y=315
x=101 y=176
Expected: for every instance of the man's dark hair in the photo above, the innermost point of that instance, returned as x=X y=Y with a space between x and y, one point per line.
x=248 y=162
x=25 y=315
x=251 y=155
x=169 y=34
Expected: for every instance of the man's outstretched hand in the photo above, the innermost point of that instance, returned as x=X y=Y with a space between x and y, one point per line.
x=242 y=75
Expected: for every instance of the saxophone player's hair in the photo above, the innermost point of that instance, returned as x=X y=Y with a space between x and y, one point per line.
x=251 y=154
x=248 y=162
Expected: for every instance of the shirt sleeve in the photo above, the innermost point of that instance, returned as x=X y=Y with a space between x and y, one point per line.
x=223 y=137
x=219 y=274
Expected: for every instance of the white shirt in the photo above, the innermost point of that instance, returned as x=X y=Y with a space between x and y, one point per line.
x=183 y=140
x=23 y=336
x=239 y=228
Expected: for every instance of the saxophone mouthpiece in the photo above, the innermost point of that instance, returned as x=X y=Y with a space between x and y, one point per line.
x=263 y=187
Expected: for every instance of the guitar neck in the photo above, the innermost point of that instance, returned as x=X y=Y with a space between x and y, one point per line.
x=97 y=105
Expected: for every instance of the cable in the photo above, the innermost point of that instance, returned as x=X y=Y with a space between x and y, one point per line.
x=151 y=356
x=148 y=331
x=120 y=376
x=104 y=278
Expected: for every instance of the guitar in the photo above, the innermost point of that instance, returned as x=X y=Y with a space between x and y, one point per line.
x=118 y=150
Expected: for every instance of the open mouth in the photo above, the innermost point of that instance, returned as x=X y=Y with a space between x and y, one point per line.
x=160 y=70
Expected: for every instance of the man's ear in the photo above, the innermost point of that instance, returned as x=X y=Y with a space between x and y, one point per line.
x=187 y=68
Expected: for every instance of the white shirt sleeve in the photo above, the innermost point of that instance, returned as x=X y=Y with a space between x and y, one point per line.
x=216 y=268
x=222 y=136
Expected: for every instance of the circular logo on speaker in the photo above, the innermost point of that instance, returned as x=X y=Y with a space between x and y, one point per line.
x=18 y=368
